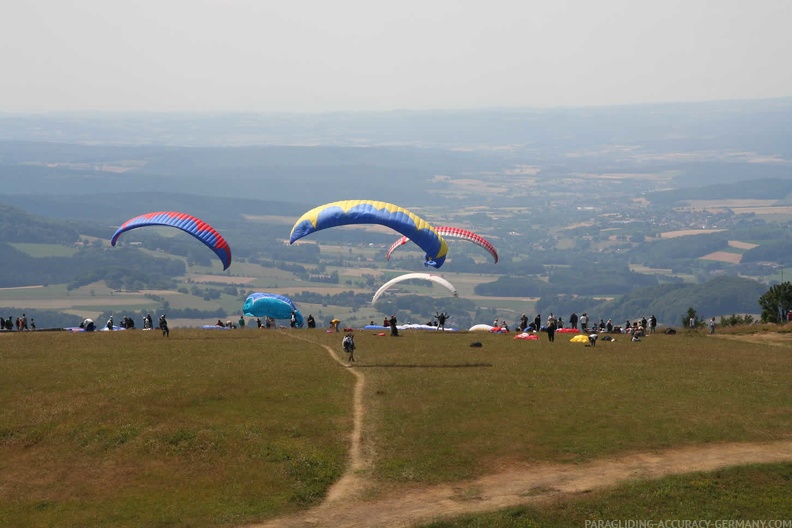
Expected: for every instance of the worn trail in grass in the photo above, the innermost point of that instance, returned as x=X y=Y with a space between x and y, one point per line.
x=520 y=485
x=352 y=482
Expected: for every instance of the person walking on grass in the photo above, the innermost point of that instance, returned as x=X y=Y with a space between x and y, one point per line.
x=349 y=346
x=163 y=324
x=551 y=328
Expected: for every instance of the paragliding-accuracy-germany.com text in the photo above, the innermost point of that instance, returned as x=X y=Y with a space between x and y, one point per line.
x=689 y=523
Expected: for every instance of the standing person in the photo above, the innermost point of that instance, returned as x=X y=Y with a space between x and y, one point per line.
x=692 y=323
x=609 y=326
x=349 y=346
x=293 y=320
x=24 y=322
x=551 y=328
x=583 y=322
x=652 y=324
x=242 y=322
x=311 y=321
x=163 y=324
x=258 y=323
x=441 y=319
x=712 y=325
x=573 y=320
x=392 y=323
x=110 y=323
x=538 y=322
x=523 y=322
x=32 y=324
x=148 y=322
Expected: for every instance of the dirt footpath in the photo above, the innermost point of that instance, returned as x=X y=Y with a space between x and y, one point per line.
x=520 y=485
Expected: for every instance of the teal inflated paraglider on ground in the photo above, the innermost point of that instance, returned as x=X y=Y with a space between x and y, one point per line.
x=271 y=305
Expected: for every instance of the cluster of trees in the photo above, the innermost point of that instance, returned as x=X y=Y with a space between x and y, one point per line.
x=776 y=303
x=120 y=268
x=579 y=281
x=666 y=301
x=18 y=226
x=123 y=269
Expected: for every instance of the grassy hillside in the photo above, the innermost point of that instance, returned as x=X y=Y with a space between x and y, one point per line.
x=224 y=428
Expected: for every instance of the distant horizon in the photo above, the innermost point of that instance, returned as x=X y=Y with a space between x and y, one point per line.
x=89 y=112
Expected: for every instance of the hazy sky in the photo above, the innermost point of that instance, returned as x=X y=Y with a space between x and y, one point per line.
x=327 y=55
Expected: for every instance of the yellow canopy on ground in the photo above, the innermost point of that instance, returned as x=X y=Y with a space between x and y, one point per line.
x=580 y=338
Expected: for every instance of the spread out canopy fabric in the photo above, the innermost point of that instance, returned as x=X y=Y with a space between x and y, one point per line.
x=187 y=223
x=415 y=276
x=452 y=232
x=348 y=212
x=271 y=305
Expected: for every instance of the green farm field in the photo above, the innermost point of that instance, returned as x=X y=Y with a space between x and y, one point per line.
x=237 y=427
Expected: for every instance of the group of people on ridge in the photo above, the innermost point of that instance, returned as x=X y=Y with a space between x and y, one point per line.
x=128 y=323
x=21 y=324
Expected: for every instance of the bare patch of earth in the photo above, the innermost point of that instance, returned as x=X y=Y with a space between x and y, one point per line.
x=346 y=504
x=527 y=485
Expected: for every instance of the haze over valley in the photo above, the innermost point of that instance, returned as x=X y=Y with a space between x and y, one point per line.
x=619 y=211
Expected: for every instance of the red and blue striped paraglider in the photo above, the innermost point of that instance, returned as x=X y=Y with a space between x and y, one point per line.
x=348 y=212
x=453 y=232
x=187 y=223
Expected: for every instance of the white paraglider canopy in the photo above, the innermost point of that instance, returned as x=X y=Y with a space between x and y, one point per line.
x=412 y=276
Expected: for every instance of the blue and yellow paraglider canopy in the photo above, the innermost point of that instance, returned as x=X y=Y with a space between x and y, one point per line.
x=348 y=212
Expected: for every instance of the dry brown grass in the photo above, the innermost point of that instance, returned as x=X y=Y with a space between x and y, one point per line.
x=222 y=279
x=729 y=204
x=688 y=232
x=741 y=245
x=723 y=256
x=270 y=219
